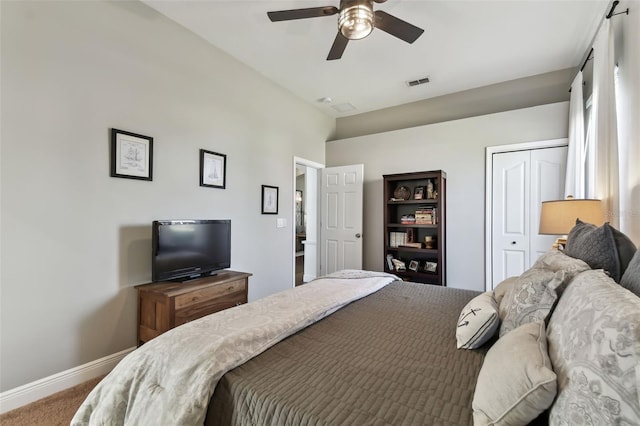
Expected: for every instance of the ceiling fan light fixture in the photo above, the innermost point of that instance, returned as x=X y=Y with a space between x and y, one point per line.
x=356 y=19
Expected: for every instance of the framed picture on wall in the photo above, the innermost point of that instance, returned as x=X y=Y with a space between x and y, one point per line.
x=269 y=199
x=131 y=155
x=213 y=169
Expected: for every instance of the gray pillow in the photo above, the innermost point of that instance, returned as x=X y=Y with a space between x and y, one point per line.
x=531 y=298
x=594 y=346
x=631 y=278
x=555 y=260
x=601 y=247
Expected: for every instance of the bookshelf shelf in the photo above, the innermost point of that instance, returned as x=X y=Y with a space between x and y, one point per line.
x=411 y=225
x=431 y=201
x=426 y=263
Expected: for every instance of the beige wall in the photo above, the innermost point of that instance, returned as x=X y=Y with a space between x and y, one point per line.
x=74 y=240
x=457 y=147
x=542 y=89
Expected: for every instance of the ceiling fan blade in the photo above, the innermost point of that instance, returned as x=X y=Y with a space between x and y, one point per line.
x=339 y=44
x=310 y=12
x=397 y=27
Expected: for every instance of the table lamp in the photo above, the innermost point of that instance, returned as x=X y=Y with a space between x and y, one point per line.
x=559 y=216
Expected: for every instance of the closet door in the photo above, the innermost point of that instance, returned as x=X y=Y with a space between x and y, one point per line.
x=511 y=216
x=548 y=169
x=522 y=180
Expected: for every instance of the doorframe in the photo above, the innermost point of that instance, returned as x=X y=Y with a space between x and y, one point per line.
x=299 y=161
x=488 y=191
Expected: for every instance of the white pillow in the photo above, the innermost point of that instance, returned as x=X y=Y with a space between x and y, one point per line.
x=500 y=290
x=478 y=321
x=516 y=382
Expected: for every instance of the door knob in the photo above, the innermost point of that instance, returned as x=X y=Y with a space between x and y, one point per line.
x=358 y=235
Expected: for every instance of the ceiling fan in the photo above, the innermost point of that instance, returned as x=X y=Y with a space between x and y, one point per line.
x=356 y=20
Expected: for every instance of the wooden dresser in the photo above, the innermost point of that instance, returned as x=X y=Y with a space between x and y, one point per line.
x=165 y=305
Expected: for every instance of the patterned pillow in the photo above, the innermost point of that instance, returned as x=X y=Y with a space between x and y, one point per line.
x=516 y=382
x=530 y=299
x=478 y=321
x=631 y=278
x=601 y=248
x=594 y=346
x=555 y=260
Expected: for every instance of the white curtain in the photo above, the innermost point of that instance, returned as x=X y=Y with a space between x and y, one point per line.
x=604 y=124
x=628 y=111
x=575 y=177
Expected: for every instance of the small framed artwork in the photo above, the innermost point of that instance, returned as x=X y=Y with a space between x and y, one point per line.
x=131 y=155
x=213 y=169
x=269 y=199
x=418 y=193
x=430 y=266
x=414 y=265
x=390 y=262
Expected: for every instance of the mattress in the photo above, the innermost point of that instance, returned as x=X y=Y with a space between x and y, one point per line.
x=389 y=358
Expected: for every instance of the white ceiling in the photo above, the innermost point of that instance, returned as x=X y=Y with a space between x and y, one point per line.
x=466 y=44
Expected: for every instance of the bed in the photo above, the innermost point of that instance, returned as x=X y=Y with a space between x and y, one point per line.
x=385 y=359
x=559 y=345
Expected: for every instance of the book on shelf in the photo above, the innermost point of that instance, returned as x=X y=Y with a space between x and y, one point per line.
x=397 y=239
x=426 y=216
x=411 y=245
x=408 y=219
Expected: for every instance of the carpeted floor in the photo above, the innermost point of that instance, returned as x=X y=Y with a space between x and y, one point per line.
x=54 y=410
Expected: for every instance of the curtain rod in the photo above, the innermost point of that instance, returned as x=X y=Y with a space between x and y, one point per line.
x=607 y=16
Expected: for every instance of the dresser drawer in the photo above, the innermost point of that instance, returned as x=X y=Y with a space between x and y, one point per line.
x=209 y=293
x=192 y=312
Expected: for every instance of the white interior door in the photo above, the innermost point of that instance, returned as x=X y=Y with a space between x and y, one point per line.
x=522 y=180
x=341 y=192
x=548 y=170
x=511 y=176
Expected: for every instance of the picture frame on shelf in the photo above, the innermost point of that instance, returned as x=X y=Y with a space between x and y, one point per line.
x=431 y=266
x=418 y=193
x=213 y=169
x=131 y=155
x=390 y=262
x=269 y=199
x=414 y=265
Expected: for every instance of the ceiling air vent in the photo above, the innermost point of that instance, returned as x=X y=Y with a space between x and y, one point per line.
x=346 y=107
x=418 y=82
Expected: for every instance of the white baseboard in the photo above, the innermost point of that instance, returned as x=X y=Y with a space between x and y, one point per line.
x=42 y=388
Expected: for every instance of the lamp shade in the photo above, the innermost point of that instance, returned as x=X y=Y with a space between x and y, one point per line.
x=558 y=217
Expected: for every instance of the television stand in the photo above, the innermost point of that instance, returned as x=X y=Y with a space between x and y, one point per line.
x=165 y=305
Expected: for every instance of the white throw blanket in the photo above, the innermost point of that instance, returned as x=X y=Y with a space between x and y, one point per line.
x=170 y=379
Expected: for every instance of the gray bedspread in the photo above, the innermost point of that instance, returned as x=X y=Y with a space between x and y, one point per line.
x=387 y=359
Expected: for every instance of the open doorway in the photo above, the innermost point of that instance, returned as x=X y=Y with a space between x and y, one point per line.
x=306 y=230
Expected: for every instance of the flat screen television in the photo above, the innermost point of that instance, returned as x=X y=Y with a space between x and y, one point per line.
x=189 y=248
